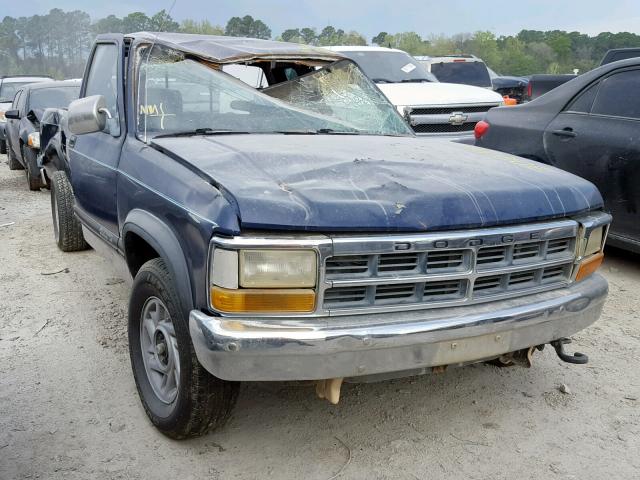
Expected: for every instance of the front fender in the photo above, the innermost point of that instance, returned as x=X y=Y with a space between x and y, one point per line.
x=164 y=241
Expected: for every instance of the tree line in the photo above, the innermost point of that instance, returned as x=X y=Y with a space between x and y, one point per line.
x=58 y=42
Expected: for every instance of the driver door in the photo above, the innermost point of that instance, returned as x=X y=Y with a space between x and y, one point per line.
x=94 y=157
x=12 y=129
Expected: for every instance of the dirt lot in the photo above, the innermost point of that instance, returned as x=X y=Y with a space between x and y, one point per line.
x=69 y=408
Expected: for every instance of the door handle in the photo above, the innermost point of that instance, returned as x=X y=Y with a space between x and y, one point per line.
x=565 y=132
x=72 y=141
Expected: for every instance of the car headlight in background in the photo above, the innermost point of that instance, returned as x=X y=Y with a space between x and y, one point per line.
x=3 y=119
x=33 y=140
x=263 y=281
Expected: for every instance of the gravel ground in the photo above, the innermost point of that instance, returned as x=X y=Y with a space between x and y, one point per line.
x=69 y=407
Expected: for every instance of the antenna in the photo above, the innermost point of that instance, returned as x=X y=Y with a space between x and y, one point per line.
x=168 y=15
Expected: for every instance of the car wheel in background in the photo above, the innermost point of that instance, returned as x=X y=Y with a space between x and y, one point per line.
x=3 y=146
x=66 y=226
x=14 y=164
x=180 y=397
x=30 y=158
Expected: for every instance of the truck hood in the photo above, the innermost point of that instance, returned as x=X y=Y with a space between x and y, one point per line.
x=404 y=94
x=372 y=183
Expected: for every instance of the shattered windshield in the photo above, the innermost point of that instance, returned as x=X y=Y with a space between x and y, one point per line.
x=178 y=95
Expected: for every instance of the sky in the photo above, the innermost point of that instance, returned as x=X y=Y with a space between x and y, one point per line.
x=369 y=17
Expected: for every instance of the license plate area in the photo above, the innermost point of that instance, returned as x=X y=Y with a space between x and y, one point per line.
x=472 y=348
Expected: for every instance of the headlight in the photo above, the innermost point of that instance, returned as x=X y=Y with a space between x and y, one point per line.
x=590 y=252
x=3 y=119
x=593 y=243
x=33 y=140
x=277 y=268
x=263 y=281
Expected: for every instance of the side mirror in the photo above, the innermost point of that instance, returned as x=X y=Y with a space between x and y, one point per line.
x=87 y=115
x=13 y=114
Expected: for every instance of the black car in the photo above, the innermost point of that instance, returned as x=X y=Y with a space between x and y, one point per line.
x=589 y=126
x=617 y=54
x=23 y=123
x=9 y=85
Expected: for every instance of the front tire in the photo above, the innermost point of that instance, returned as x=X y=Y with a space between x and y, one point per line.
x=30 y=158
x=66 y=226
x=14 y=164
x=180 y=397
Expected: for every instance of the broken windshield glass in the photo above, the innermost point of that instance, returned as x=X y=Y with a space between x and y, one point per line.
x=343 y=91
x=177 y=95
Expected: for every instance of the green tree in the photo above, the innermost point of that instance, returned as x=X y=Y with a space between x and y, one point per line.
x=247 y=27
x=380 y=38
x=309 y=35
x=485 y=46
x=110 y=24
x=290 y=35
x=136 y=22
x=202 y=27
x=162 y=22
x=353 y=38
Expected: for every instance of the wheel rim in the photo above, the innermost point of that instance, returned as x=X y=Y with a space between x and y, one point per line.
x=54 y=212
x=160 y=350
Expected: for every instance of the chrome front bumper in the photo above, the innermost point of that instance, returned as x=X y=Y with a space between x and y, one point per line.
x=260 y=349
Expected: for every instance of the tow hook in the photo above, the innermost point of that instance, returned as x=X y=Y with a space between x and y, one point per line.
x=577 y=357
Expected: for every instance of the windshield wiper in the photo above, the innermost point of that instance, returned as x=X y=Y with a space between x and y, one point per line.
x=382 y=80
x=201 y=131
x=319 y=131
x=415 y=80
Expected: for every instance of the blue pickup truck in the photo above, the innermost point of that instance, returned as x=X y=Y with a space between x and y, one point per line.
x=300 y=231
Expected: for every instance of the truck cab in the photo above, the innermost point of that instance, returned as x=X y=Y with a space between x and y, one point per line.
x=301 y=231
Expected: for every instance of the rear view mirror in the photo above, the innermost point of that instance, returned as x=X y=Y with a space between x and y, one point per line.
x=13 y=114
x=87 y=115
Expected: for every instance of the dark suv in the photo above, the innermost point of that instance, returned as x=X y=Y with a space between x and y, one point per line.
x=302 y=232
x=23 y=123
x=9 y=85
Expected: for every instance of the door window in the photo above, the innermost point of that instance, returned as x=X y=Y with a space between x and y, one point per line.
x=583 y=103
x=103 y=80
x=16 y=101
x=619 y=96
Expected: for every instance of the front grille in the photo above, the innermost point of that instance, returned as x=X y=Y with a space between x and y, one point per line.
x=395 y=294
x=443 y=127
x=442 y=119
x=428 y=274
x=394 y=264
x=445 y=110
x=510 y=282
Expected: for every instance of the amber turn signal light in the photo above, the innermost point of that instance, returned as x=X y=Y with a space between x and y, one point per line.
x=588 y=266
x=247 y=300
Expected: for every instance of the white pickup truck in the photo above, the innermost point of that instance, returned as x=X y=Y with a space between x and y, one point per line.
x=430 y=107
